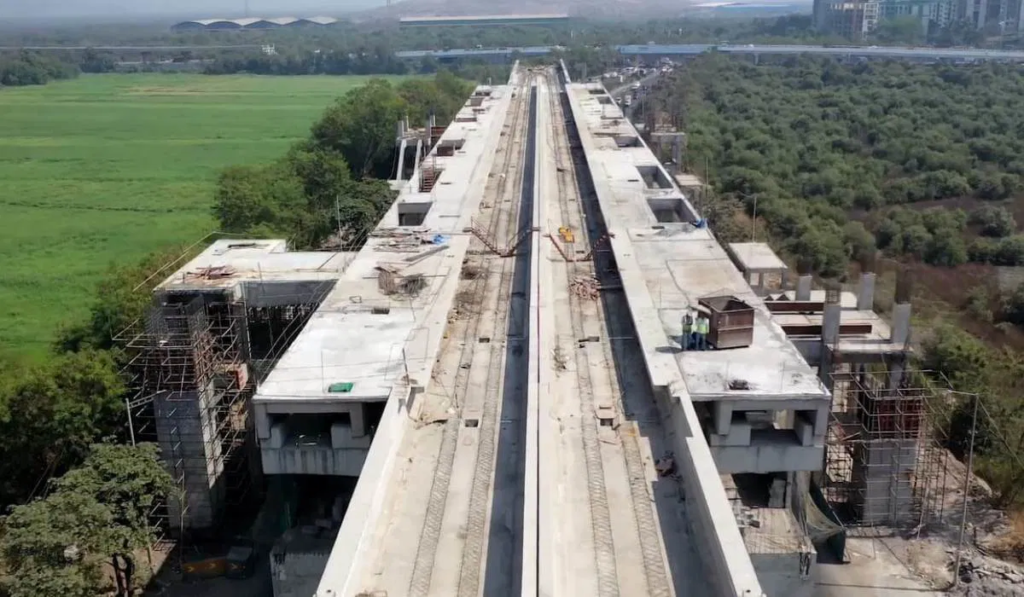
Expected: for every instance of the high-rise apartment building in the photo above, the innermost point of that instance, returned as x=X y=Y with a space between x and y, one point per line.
x=856 y=19
x=848 y=18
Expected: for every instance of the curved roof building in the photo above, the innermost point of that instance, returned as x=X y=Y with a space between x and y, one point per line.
x=252 y=23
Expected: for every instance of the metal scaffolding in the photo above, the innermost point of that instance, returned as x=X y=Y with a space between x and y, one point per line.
x=886 y=456
x=190 y=387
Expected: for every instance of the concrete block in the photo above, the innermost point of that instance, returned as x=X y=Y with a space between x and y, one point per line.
x=278 y=433
x=313 y=461
x=900 y=324
x=803 y=288
x=866 y=292
x=739 y=434
x=723 y=417
x=767 y=458
x=821 y=416
x=831 y=320
x=804 y=429
x=262 y=421
x=777 y=494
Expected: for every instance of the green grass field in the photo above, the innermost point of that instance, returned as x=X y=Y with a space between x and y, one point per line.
x=107 y=168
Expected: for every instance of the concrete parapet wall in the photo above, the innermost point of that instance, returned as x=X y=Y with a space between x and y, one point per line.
x=368 y=499
x=708 y=510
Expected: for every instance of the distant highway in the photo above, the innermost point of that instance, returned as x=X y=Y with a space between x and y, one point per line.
x=622 y=89
x=748 y=49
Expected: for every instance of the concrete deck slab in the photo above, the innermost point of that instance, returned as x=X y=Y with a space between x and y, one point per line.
x=379 y=543
x=229 y=263
x=360 y=334
x=679 y=264
x=755 y=257
x=611 y=146
x=605 y=533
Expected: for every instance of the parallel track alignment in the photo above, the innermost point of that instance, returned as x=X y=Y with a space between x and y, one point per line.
x=570 y=200
x=494 y=273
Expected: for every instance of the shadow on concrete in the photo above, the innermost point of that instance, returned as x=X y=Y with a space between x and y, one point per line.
x=503 y=571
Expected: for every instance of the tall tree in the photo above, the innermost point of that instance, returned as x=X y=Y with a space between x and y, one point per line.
x=361 y=127
x=50 y=546
x=49 y=416
x=129 y=481
x=96 y=513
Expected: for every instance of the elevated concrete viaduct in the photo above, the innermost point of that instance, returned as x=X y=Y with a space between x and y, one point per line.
x=496 y=393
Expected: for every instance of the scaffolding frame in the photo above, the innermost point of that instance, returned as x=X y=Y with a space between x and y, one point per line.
x=191 y=355
x=886 y=460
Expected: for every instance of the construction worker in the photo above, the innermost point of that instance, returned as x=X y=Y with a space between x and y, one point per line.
x=689 y=327
x=703 y=329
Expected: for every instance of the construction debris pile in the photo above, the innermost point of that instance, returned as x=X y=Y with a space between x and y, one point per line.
x=217 y=272
x=402 y=240
x=390 y=280
x=585 y=287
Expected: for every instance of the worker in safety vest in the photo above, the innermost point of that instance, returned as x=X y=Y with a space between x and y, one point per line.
x=689 y=329
x=703 y=329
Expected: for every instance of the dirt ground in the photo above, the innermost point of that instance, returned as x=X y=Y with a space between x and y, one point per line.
x=170 y=584
x=878 y=567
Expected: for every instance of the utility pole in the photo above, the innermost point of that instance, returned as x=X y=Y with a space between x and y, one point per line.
x=753 y=222
x=131 y=426
x=966 y=495
x=337 y=215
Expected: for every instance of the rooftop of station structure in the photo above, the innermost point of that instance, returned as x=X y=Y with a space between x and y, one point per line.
x=373 y=339
x=756 y=257
x=681 y=263
x=229 y=262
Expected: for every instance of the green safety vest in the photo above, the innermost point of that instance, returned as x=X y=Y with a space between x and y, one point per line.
x=704 y=326
x=687 y=326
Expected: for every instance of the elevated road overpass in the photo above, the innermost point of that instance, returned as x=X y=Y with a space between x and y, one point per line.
x=679 y=50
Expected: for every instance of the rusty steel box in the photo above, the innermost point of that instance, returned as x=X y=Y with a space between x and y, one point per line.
x=732 y=322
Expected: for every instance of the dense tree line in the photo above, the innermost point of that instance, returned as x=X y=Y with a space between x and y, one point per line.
x=997 y=378
x=369 y=47
x=817 y=141
x=333 y=185
x=363 y=36
x=30 y=68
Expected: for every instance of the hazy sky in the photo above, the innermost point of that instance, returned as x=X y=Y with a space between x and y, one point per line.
x=197 y=8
